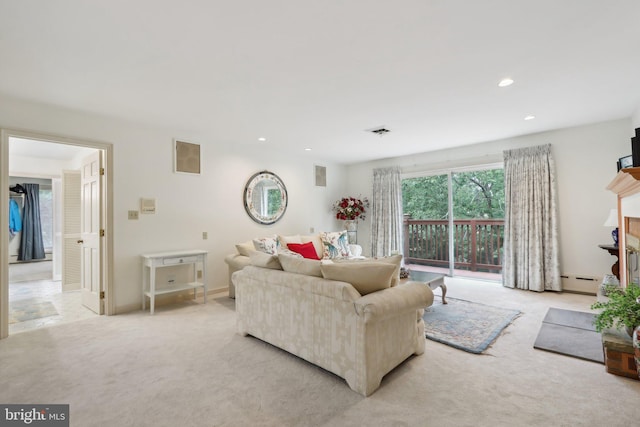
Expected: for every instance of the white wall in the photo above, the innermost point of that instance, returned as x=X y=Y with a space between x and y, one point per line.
x=187 y=205
x=585 y=160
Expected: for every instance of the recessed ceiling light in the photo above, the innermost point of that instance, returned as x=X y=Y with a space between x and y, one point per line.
x=505 y=82
x=529 y=117
x=262 y=139
x=307 y=149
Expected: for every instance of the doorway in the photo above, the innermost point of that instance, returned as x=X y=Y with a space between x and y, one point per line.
x=32 y=292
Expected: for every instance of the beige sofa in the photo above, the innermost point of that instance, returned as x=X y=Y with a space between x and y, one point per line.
x=330 y=324
x=240 y=259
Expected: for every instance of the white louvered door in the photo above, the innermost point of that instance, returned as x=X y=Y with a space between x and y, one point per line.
x=71 y=251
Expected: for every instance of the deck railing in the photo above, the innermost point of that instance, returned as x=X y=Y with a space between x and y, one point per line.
x=477 y=243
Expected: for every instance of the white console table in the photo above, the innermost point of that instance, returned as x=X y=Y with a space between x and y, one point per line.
x=168 y=259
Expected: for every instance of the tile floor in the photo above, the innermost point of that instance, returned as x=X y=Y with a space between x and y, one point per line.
x=34 y=280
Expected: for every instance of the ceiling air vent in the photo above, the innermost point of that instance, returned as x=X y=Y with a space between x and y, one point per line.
x=380 y=131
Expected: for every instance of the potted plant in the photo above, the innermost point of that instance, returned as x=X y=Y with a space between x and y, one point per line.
x=621 y=309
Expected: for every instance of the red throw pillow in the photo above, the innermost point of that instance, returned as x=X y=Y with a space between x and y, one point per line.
x=307 y=250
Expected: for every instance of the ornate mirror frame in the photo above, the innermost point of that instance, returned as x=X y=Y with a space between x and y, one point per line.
x=262 y=203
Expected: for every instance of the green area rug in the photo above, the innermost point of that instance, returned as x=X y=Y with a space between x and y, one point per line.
x=30 y=308
x=466 y=325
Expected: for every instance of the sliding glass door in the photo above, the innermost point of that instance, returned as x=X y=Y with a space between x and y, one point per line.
x=454 y=222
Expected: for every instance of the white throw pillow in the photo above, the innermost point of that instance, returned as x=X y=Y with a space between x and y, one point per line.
x=335 y=244
x=366 y=277
x=300 y=265
x=268 y=245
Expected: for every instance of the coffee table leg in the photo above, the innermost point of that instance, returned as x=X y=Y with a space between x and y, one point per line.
x=444 y=292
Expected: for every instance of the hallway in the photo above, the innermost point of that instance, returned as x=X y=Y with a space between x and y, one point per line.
x=35 y=300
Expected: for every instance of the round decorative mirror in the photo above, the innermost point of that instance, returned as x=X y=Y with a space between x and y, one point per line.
x=265 y=197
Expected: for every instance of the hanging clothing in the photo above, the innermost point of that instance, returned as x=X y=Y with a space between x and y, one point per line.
x=31 y=244
x=15 y=221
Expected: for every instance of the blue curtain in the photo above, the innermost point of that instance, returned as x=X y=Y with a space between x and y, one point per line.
x=31 y=245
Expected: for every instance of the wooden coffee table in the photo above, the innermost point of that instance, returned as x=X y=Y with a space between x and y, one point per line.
x=433 y=280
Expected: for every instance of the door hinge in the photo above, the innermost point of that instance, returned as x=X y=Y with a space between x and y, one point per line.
x=102 y=232
x=101 y=171
x=101 y=294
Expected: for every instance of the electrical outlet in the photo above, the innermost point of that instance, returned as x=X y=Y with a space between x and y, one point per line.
x=312 y=230
x=133 y=214
x=205 y=235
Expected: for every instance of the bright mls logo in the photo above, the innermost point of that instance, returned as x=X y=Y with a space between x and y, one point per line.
x=34 y=415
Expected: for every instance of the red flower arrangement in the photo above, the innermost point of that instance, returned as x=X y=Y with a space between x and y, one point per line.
x=349 y=208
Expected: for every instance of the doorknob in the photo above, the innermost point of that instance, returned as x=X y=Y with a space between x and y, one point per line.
x=80 y=241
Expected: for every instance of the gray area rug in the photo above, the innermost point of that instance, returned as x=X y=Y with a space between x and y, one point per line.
x=466 y=325
x=570 y=333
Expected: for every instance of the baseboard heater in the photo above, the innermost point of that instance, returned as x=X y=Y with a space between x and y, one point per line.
x=580 y=284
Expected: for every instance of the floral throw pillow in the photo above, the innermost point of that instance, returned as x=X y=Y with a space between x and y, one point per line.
x=267 y=245
x=335 y=244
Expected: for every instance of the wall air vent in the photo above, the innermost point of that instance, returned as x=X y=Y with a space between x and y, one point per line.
x=380 y=130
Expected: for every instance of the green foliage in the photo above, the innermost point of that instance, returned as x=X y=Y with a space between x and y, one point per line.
x=275 y=201
x=476 y=194
x=622 y=308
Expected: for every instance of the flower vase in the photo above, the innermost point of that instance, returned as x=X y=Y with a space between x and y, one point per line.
x=351 y=225
x=636 y=348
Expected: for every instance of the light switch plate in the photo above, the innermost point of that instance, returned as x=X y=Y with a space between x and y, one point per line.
x=133 y=214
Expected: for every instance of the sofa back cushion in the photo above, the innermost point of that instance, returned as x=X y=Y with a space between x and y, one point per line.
x=299 y=265
x=261 y=259
x=365 y=276
x=394 y=260
x=245 y=248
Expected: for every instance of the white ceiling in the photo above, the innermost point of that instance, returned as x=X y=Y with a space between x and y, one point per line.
x=316 y=74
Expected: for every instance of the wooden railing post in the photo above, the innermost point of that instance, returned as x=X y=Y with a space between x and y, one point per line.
x=405 y=241
x=474 y=249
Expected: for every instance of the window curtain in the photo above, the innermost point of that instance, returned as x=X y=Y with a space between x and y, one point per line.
x=531 y=252
x=31 y=245
x=386 y=212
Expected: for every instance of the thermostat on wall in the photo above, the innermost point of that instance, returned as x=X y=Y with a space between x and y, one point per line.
x=147 y=206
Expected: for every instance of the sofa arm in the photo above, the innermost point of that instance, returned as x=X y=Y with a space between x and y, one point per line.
x=236 y=262
x=388 y=302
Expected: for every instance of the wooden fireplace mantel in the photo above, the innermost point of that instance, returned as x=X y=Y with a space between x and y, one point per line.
x=626 y=183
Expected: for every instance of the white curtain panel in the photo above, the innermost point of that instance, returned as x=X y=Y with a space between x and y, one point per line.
x=386 y=212
x=531 y=252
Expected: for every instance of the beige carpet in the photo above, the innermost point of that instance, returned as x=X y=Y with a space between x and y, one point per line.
x=185 y=366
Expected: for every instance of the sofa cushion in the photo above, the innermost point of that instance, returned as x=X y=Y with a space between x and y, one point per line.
x=245 y=248
x=299 y=265
x=267 y=245
x=365 y=276
x=307 y=250
x=335 y=244
x=395 y=260
x=261 y=259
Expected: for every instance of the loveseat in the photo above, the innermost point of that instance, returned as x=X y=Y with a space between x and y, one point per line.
x=359 y=328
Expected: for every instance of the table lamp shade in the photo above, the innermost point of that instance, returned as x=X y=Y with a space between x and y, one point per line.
x=612 y=219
